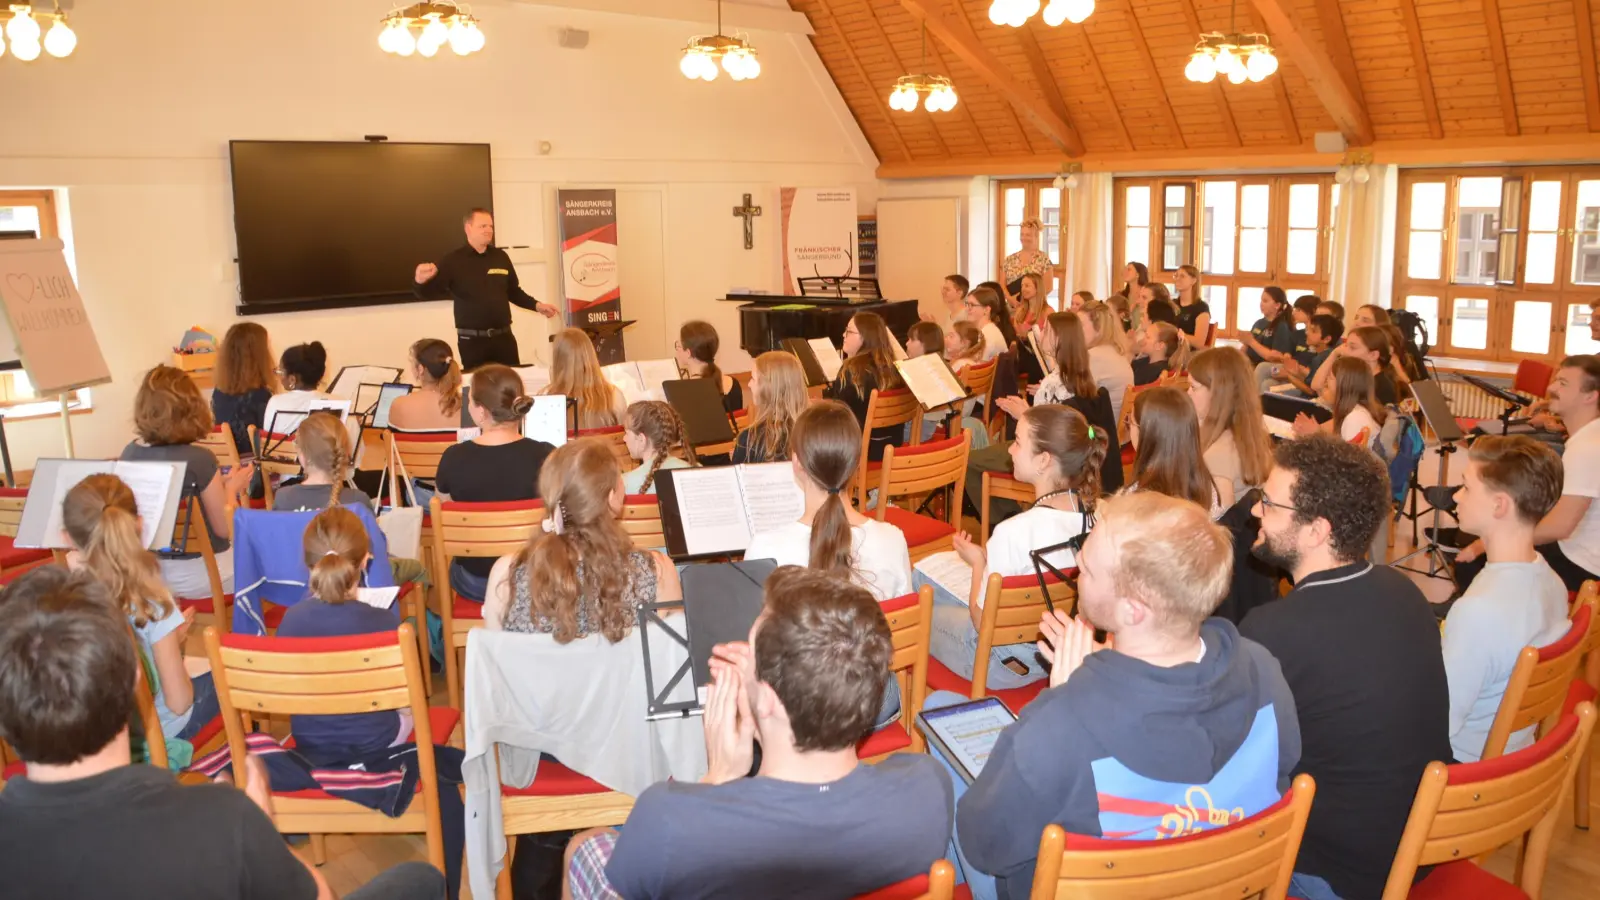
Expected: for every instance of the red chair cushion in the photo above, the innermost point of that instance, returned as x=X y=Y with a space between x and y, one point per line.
x=555 y=780
x=463 y=608
x=1129 y=454
x=204 y=735
x=1466 y=424
x=1578 y=692
x=12 y=556
x=442 y=719
x=1456 y=880
x=918 y=530
x=963 y=892
x=15 y=770
x=913 y=888
x=887 y=739
x=940 y=678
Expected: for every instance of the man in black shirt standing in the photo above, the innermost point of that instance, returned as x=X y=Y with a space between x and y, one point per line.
x=1360 y=649
x=480 y=278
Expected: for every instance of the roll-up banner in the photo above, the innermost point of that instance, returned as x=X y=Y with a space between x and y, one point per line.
x=819 y=234
x=589 y=256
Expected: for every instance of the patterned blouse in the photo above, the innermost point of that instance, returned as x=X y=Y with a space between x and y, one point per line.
x=639 y=590
x=1013 y=268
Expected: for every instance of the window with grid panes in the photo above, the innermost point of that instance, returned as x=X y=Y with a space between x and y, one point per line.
x=1019 y=200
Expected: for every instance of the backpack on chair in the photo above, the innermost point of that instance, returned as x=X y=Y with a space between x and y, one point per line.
x=1400 y=446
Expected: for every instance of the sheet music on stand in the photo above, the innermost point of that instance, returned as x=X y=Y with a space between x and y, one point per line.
x=1048 y=362
x=348 y=383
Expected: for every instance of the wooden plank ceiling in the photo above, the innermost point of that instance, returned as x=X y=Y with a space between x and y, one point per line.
x=1375 y=70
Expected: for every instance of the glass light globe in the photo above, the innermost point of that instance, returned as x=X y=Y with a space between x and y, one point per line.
x=934 y=102
x=1341 y=175
x=708 y=69
x=1260 y=65
x=894 y=99
x=435 y=33
x=386 y=41
x=1031 y=7
x=1055 y=13
x=27 y=51
x=405 y=43
x=22 y=29
x=752 y=66
x=1000 y=12
x=460 y=39
x=477 y=36
x=1078 y=10
x=1072 y=181
x=1269 y=62
x=60 y=40
x=1018 y=17
x=1226 y=60
x=1361 y=175
x=428 y=48
x=1201 y=68
x=1238 y=75
x=2 y=48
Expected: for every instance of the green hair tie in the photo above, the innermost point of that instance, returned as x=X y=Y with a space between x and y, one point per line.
x=1091 y=432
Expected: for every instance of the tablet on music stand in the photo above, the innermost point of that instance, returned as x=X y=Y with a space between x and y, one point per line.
x=387 y=394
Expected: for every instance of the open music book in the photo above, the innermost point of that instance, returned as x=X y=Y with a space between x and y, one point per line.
x=827 y=357
x=931 y=380
x=898 y=348
x=641 y=379
x=347 y=384
x=547 y=420
x=156 y=486
x=1048 y=362
x=715 y=511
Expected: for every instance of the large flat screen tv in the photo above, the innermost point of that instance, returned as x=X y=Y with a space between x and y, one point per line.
x=330 y=224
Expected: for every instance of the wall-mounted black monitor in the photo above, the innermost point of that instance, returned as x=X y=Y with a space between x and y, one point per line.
x=322 y=225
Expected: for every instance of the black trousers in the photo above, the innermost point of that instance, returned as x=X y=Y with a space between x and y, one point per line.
x=478 y=351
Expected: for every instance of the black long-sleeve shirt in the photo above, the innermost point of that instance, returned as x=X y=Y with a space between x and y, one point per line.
x=483 y=285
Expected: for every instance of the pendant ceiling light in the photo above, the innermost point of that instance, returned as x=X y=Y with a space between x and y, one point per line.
x=425 y=28
x=1016 y=13
x=703 y=53
x=1236 y=56
x=939 y=89
x=19 y=23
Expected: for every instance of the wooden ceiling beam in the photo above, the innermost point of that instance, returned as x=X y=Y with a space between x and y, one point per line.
x=1043 y=74
x=1419 y=59
x=964 y=108
x=1229 y=127
x=1154 y=74
x=861 y=72
x=1502 y=70
x=1104 y=87
x=963 y=21
x=1583 y=34
x=991 y=70
x=899 y=64
x=1338 y=96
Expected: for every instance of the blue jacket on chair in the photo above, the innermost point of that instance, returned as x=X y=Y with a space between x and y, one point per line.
x=269 y=561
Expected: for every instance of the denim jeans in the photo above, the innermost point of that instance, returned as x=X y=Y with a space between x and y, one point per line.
x=1310 y=887
x=954 y=641
x=980 y=883
x=205 y=707
x=473 y=587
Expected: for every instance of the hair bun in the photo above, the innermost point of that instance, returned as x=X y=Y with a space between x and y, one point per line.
x=521 y=405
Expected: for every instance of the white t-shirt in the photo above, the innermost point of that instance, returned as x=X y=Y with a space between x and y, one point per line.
x=1358 y=419
x=1007 y=552
x=1580 y=463
x=1507 y=607
x=994 y=343
x=1111 y=371
x=878 y=554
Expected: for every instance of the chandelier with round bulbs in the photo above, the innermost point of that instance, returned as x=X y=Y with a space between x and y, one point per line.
x=706 y=54
x=936 y=92
x=28 y=38
x=1016 y=13
x=425 y=28
x=1235 y=55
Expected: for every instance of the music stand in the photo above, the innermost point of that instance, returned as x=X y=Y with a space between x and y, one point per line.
x=1435 y=409
x=721 y=603
x=1513 y=400
x=1041 y=566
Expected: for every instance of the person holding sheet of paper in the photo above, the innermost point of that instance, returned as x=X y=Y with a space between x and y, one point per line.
x=778 y=384
x=435 y=404
x=301 y=368
x=926 y=339
x=575 y=372
x=696 y=353
x=868 y=367
x=101 y=520
x=1059 y=453
x=169 y=415
x=654 y=432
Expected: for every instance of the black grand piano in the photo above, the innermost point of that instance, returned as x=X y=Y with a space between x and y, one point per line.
x=823 y=310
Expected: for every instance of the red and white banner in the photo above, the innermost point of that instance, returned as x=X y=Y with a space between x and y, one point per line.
x=819 y=234
x=589 y=256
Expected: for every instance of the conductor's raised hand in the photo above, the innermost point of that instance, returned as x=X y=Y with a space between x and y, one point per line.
x=729 y=725
x=425 y=272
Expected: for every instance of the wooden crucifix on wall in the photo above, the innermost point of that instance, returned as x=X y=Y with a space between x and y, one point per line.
x=748 y=213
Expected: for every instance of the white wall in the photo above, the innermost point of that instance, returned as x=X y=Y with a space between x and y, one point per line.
x=133 y=128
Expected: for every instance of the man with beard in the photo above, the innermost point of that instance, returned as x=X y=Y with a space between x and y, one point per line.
x=1360 y=648
x=1182 y=711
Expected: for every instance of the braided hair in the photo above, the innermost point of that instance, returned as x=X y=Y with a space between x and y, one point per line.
x=663 y=428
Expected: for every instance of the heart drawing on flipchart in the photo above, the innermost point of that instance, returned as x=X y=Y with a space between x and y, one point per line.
x=21 y=287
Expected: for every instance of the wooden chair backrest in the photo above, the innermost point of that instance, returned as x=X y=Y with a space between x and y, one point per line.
x=910 y=624
x=220 y=443
x=743 y=417
x=1538 y=685
x=421 y=451
x=1360 y=440
x=1211 y=335
x=1001 y=486
x=978 y=379
x=11 y=502
x=884 y=409
x=1012 y=608
x=275 y=453
x=1465 y=810
x=1250 y=858
x=641 y=519
x=1125 y=415
x=189 y=535
x=938 y=884
x=619 y=446
x=481 y=529
x=925 y=468
x=1589 y=595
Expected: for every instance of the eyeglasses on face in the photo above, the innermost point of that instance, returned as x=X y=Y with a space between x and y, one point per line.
x=1269 y=503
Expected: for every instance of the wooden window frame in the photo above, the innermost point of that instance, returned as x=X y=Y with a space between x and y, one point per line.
x=1032 y=208
x=1510 y=286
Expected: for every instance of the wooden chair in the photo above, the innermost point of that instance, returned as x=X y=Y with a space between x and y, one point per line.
x=419 y=452
x=916 y=472
x=206 y=740
x=472 y=530
x=910 y=622
x=1252 y=858
x=619 y=447
x=1211 y=335
x=559 y=799
x=641 y=519
x=1001 y=486
x=1467 y=810
x=1124 y=420
x=258 y=676
x=1012 y=608
x=938 y=884
x=1539 y=685
x=1585 y=688
x=11 y=766
x=188 y=536
x=978 y=379
x=276 y=454
x=885 y=409
x=220 y=443
x=12 y=557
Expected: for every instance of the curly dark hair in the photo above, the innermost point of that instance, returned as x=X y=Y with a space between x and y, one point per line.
x=1341 y=483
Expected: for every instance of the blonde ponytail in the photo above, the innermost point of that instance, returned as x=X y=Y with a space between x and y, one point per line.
x=325 y=446
x=336 y=549
x=101 y=518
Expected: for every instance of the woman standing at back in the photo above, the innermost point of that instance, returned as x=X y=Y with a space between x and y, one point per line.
x=245 y=382
x=435 y=405
x=1222 y=388
x=696 y=353
x=778 y=386
x=575 y=373
x=868 y=367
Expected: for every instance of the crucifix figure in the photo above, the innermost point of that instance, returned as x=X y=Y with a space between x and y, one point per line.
x=748 y=213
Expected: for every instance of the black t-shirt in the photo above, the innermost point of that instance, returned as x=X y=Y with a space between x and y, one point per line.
x=1279 y=336
x=747 y=447
x=478 y=473
x=1147 y=372
x=135 y=832
x=1385 y=388
x=857 y=398
x=200 y=466
x=482 y=285
x=1302 y=352
x=238 y=412
x=733 y=400
x=1359 y=646
x=1189 y=315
